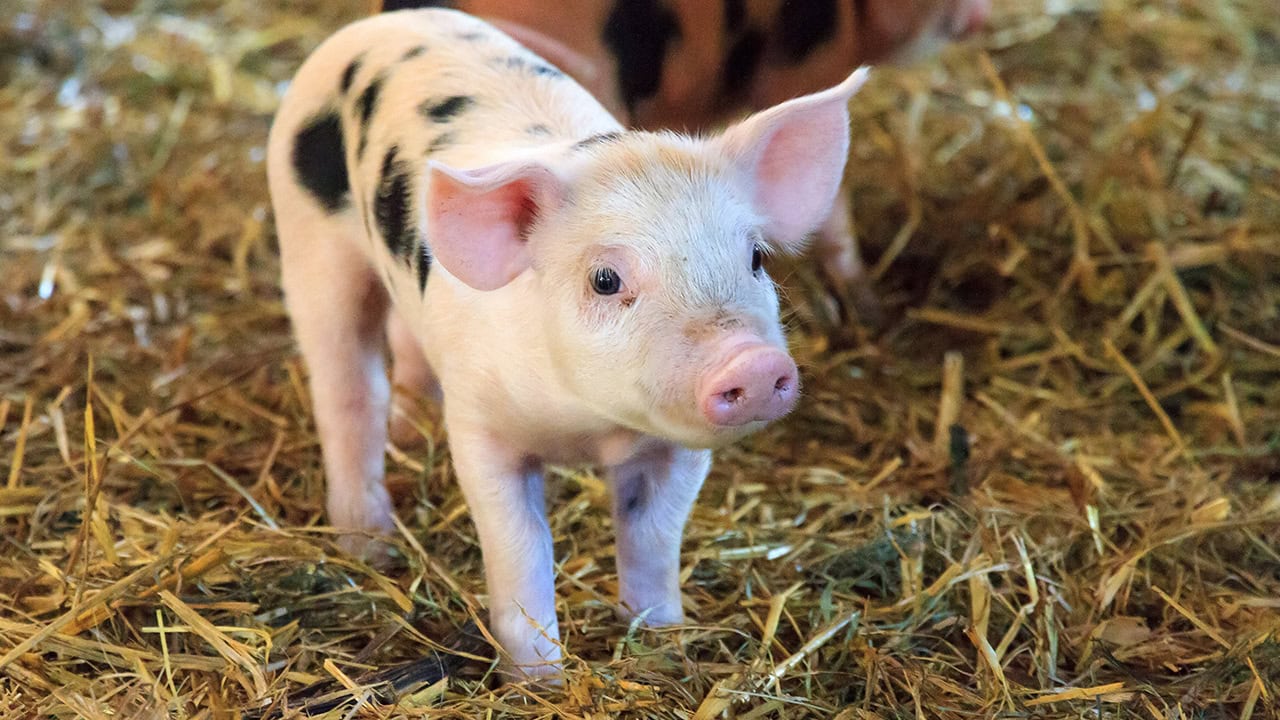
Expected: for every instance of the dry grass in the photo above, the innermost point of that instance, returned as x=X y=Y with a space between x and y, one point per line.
x=1049 y=486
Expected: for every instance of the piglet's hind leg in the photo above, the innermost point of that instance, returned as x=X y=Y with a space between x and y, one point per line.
x=338 y=309
x=412 y=381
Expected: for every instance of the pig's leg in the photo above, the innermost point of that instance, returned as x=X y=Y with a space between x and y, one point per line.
x=503 y=490
x=840 y=261
x=652 y=496
x=411 y=378
x=338 y=308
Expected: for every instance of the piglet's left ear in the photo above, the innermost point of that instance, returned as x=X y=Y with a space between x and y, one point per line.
x=792 y=158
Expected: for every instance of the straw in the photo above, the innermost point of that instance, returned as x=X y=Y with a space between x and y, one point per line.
x=1044 y=485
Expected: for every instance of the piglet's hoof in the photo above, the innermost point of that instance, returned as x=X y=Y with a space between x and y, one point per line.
x=546 y=674
x=658 y=616
x=366 y=524
x=541 y=672
x=415 y=410
x=402 y=430
x=372 y=550
x=531 y=651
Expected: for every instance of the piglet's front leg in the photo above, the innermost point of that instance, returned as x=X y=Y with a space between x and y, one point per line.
x=652 y=495
x=504 y=491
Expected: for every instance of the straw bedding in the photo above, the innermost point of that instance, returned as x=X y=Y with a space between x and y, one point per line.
x=1046 y=484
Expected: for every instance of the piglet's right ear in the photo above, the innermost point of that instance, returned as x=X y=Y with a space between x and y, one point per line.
x=477 y=220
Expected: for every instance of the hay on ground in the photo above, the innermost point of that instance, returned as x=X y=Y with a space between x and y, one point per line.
x=1048 y=485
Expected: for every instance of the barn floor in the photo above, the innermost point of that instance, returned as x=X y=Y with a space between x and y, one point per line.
x=1046 y=485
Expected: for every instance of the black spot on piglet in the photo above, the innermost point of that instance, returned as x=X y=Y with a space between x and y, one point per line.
x=544 y=70
x=597 y=139
x=442 y=111
x=390 y=5
x=349 y=74
x=533 y=67
x=320 y=161
x=424 y=265
x=366 y=104
x=442 y=141
x=392 y=206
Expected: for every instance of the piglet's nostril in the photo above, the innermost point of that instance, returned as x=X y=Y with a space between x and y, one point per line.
x=733 y=395
x=783 y=384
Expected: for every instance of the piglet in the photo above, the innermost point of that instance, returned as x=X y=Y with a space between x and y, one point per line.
x=576 y=292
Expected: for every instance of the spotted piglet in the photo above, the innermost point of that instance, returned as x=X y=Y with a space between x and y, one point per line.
x=577 y=293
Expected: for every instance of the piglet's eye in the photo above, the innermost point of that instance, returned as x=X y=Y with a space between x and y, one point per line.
x=605 y=281
x=757 y=258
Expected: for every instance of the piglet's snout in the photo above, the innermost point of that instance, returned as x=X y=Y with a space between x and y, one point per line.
x=755 y=383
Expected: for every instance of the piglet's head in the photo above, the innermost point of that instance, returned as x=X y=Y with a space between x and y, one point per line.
x=646 y=254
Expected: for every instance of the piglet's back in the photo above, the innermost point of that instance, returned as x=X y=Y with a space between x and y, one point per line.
x=385 y=93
